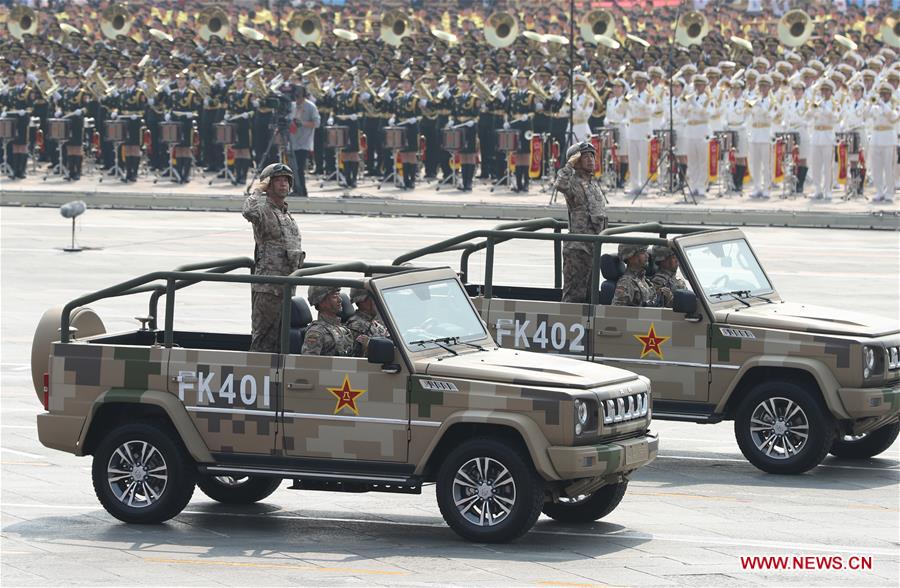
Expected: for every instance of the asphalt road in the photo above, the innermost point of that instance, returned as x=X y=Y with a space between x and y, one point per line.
x=687 y=519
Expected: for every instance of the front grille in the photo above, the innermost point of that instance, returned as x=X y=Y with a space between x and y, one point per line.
x=626 y=408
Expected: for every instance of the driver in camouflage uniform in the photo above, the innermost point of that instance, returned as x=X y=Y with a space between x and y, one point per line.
x=277 y=252
x=633 y=288
x=587 y=216
x=326 y=335
x=365 y=320
x=666 y=268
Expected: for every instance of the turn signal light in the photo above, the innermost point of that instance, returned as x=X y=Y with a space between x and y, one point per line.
x=46 y=391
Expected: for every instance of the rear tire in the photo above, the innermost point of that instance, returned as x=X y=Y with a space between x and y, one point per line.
x=231 y=490
x=588 y=508
x=783 y=428
x=489 y=491
x=869 y=445
x=142 y=475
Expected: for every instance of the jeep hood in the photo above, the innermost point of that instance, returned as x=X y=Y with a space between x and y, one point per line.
x=523 y=368
x=790 y=316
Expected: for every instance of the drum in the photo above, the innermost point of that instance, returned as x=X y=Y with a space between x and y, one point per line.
x=337 y=137
x=507 y=139
x=116 y=130
x=395 y=137
x=609 y=136
x=727 y=141
x=851 y=138
x=225 y=133
x=170 y=132
x=453 y=139
x=58 y=129
x=790 y=137
x=7 y=129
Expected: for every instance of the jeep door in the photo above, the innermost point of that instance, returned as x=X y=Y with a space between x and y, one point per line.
x=230 y=396
x=344 y=408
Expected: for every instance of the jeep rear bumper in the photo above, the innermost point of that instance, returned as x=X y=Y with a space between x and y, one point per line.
x=589 y=461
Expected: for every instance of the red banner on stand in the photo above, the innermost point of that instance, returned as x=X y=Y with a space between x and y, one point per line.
x=554 y=154
x=363 y=146
x=714 y=160
x=595 y=141
x=779 y=161
x=862 y=165
x=842 y=163
x=654 y=157
x=536 y=148
x=422 y=147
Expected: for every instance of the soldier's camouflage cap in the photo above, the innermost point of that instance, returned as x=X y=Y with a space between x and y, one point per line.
x=578 y=148
x=276 y=169
x=626 y=250
x=358 y=295
x=317 y=294
x=661 y=252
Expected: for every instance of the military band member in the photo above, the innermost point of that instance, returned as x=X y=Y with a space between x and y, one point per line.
x=558 y=106
x=495 y=106
x=824 y=115
x=324 y=156
x=793 y=120
x=184 y=104
x=583 y=110
x=73 y=104
x=213 y=154
x=854 y=116
x=347 y=107
x=678 y=126
x=434 y=118
x=263 y=119
x=761 y=116
x=129 y=106
x=735 y=118
x=239 y=112
x=17 y=105
x=696 y=108
x=377 y=114
x=407 y=111
x=520 y=110
x=157 y=99
x=616 y=109
x=884 y=115
x=639 y=108
x=464 y=117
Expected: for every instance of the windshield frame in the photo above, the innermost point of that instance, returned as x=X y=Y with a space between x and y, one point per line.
x=688 y=242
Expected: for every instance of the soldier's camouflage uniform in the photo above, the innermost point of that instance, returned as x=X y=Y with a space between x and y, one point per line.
x=634 y=289
x=587 y=215
x=363 y=323
x=666 y=279
x=277 y=253
x=327 y=336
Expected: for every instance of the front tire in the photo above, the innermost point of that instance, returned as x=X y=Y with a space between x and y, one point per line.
x=489 y=492
x=141 y=475
x=868 y=445
x=782 y=428
x=232 y=490
x=586 y=509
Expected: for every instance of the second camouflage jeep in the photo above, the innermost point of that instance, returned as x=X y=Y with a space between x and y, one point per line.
x=504 y=434
x=798 y=381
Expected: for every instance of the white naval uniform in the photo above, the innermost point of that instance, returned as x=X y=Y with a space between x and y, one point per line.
x=584 y=107
x=884 y=118
x=678 y=125
x=793 y=120
x=853 y=120
x=615 y=117
x=735 y=118
x=761 y=118
x=640 y=110
x=696 y=112
x=822 y=122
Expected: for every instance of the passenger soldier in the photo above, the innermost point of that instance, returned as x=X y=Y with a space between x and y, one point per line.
x=326 y=335
x=365 y=320
x=666 y=268
x=633 y=288
x=277 y=252
x=587 y=216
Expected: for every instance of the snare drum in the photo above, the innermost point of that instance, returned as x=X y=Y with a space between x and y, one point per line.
x=507 y=140
x=453 y=139
x=851 y=138
x=395 y=137
x=337 y=137
x=58 y=129
x=7 y=129
x=727 y=141
x=170 y=132
x=116 y=130
x=224 y=133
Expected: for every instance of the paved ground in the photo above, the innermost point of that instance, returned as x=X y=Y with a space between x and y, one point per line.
x=428 y=199
x=687 y=519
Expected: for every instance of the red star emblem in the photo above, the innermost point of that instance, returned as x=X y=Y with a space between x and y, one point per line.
x=346 y=396
x=651 y=342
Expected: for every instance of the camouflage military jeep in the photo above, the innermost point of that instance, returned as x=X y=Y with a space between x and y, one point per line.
x=504 y=434
x=798 y=381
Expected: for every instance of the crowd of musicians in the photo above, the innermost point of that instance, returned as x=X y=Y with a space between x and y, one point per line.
x=492 y=100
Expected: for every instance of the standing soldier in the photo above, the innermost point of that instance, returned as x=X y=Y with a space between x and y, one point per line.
x=239 y=110
x=465 y=109
x=277 y=252
x=16 y=106
x=559 y=112
x=853 y=120
x=130 y=105
x=824 y=115
x=214 y=108
x=615 y=117
x=734 y=112
x=520 y=110
x=407 y=109
x=436 y=113
x=183 y=105
x=587 y=216
x=761 y=117
x=640 y=110
x=584 y=109
x=696 y=110
x=346 y=113
x=884 y=116
x=73 y=104
x=376 y=117
x=793 y=120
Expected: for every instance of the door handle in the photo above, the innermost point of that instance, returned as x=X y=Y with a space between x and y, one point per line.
x=185 y=377
x=609 y=332
x=300 y=385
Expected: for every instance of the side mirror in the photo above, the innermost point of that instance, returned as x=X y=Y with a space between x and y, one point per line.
x=685 y=302
x=381 y=351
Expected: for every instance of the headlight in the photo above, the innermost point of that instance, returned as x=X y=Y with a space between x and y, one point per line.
x=868 y=361
x=893 y=358
x=581 y=416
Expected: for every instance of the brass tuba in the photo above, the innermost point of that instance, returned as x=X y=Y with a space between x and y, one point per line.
x=501 y=29
x=795 y=28
x=115 y=21
x=22 y=21
x=691 y=29
x=596 y=24
x=890 y=31
x=305 y=27
x=394 y=26
x=213 y=22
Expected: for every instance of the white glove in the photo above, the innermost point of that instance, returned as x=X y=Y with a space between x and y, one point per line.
x=57 y=96
x=57 y=114
x=78 y=112
x=206 y=102
x=134 y=117
x=189 y=115
x=539 y=106
x=255 y=102
x=444 y=94
x=391 y=121
x=423 y=103
x=449 y=124
x=506 y=125
x=115 y=93
x=168 y=116
x=245 y=115
x=365 y=96
x=195 y=83
x=330 y=121
x=411 y=121
x=470 y=123
x=219 y=76
x=151 y=101
x=114 y=114
x=354 y=116
x=22 y=112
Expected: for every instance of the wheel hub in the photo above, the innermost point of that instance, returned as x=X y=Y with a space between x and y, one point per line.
x=485 y=490
x=780 y=428
x=138 y=473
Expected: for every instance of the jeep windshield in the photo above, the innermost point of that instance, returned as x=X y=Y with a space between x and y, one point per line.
x=728 y=270
x=433 y=314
